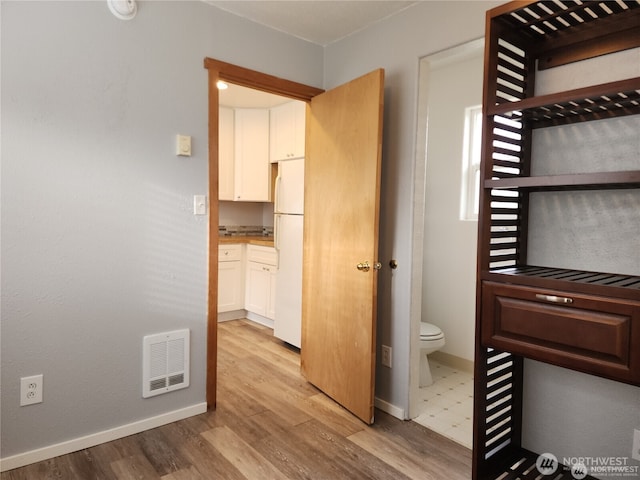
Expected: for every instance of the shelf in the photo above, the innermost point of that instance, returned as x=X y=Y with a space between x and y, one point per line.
x=577 y=319
x=616 y=285
x=564 y=31
x=608 y=100
x=523 y=465
x=575 y=181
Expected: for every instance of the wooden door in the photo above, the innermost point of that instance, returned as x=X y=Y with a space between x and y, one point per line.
x=342 y=192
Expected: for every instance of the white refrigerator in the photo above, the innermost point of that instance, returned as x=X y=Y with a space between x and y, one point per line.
x=288 y=225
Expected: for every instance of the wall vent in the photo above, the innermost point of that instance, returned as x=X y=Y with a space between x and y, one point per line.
x=165 y=362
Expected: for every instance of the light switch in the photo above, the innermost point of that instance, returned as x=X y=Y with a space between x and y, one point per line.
x=183 y=145
x=199 y=204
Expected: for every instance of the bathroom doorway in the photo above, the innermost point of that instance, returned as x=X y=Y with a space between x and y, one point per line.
x=450 y=91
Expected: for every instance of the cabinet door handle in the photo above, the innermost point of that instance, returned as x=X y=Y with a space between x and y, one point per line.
x=554 y=298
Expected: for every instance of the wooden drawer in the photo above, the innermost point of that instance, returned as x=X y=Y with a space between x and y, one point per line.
x=228 y=253
x=597 y=335
x=266 y=255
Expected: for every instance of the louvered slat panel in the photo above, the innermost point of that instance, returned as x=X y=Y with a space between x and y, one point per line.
x=504 y=234
x=499 y=136
x=497 y=210
x=507 y=153
x=499 y=398
x=510 y=84
x=509 y=125
x=503 y=246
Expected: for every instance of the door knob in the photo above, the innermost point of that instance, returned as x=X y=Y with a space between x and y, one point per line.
x=363 y=267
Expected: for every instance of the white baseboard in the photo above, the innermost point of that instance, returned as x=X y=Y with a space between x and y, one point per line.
x=254 y=317
x=389 y=408
x=80 y=443
x=453 y=361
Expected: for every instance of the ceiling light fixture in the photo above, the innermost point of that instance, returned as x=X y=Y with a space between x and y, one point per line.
x=123 y=9
x=221 y=85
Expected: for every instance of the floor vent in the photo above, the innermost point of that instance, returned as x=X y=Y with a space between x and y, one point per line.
x=165 y=362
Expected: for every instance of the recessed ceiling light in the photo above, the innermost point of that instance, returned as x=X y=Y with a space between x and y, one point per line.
x=221 y=85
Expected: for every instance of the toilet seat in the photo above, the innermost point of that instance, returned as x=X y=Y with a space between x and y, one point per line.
x=430 y=332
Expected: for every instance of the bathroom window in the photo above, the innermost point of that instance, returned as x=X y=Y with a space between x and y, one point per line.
x=470 y=194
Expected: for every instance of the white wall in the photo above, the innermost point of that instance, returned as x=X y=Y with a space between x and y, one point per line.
x=99 y=244
x=243 y=213
x=454 y=83
x=397 y=44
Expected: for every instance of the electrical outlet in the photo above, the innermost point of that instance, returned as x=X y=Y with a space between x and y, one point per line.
x=386 y=356
x=31 y=390
x=635 y=450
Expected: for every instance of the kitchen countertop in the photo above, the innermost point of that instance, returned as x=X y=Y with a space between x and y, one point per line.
x=252 y=240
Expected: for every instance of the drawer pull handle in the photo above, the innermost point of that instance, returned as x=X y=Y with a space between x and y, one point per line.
x=553 y=298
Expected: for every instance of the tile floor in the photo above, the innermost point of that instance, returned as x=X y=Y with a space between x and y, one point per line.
x=447 y=405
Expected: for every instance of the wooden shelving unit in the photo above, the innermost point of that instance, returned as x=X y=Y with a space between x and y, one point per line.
x=584 y=320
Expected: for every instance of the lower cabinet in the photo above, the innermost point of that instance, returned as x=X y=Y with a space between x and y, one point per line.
x=230 y=278
x=593 y=334
x=247 y=279
x=261 y=281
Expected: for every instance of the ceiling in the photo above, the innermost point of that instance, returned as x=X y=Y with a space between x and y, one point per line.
x=318 y=21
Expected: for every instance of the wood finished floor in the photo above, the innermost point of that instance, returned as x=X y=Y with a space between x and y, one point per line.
x=269 y=424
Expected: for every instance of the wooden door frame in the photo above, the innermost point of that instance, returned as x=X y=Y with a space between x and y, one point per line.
x=244 y=77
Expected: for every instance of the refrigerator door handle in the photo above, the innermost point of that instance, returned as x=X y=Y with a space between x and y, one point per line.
x=276 y=194
x=276 y=237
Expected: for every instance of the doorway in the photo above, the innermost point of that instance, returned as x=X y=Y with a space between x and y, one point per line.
x=243 y=77
x=347 y=115
x=450 y=86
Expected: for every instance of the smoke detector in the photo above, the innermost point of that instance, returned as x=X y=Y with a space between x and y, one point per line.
x=123 y=9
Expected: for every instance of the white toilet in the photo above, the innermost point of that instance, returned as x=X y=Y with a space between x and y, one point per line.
x=431 y=340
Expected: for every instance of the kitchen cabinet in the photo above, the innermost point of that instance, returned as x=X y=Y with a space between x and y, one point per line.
x=230 y=278
x=252 y=181
x=243 y=163
x=226 y=161
x=534 y=303
x=261 y=280
x=287 y=131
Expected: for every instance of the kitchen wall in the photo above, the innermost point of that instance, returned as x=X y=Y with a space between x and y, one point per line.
x=246 y=213
x=99 y=243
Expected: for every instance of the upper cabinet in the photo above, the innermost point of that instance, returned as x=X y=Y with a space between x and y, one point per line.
x=226 y=161
x=287 y=131
x=252 y=171
x=244 y=170
x=252 y=138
